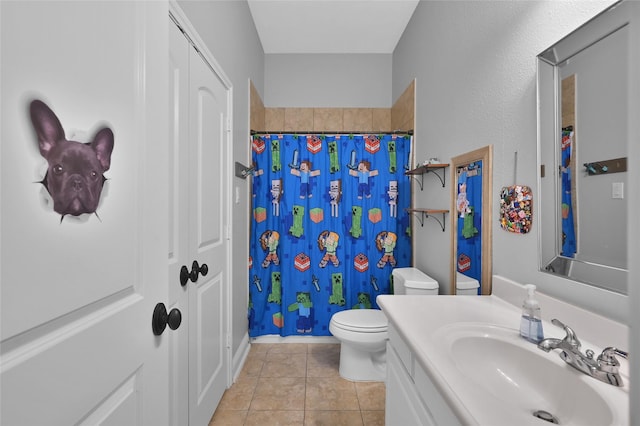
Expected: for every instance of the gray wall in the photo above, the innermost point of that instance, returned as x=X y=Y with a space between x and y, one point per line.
x=475 y=66
x=325 y=81
x=229 y=33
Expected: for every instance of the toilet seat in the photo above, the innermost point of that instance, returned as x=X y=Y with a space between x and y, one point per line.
x=361 y=320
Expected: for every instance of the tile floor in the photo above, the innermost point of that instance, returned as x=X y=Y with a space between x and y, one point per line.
x=298 y=384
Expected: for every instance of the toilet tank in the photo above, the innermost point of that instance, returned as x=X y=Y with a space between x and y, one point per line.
x=413 y=281
x=466 y=286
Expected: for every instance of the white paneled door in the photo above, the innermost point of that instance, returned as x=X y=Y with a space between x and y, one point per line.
x=198 y=248
x=78 y=290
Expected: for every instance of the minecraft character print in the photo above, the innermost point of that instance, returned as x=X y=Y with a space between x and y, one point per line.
x=386 y=243
x=335 y=196
x=392 y=193
x=305 y=173
x=328 y=242
x=269 y=241
x=304 y=306
x=363 y=173
x=276 y=196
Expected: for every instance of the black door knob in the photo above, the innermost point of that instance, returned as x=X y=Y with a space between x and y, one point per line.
x=161 y=319
x=184 y=275
x=197 y=269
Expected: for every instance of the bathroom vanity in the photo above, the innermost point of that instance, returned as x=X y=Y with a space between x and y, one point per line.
x=412 y=398
x=460 y=360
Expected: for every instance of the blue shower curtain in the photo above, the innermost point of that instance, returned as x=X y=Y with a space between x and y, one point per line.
x=329 y=224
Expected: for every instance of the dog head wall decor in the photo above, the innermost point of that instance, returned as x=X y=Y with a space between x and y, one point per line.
x=75 y=172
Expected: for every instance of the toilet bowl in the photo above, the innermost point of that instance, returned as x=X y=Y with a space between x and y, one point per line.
x=363 y=332
x=363 y=337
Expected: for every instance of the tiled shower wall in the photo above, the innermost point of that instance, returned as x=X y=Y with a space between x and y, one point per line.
x=399 y=117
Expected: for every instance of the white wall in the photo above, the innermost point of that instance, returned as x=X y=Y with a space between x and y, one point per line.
x=325 y=81
x=227 y=29
x=475 y=66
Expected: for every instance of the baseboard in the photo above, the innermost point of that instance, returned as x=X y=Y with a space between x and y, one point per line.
x=240 y=357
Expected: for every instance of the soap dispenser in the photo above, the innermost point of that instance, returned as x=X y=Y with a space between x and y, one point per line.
x=531 y=321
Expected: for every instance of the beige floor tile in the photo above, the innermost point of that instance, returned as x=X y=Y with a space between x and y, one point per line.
x=285 y=365
x=323 y=348
x=253 y=366
x=228 y=418
x=371 y=395
x=275 y=418
x=289 y=348
x=332 y=418
x=329 y=393
x=239 y=396
x=275 y=393
x=373 y=418
x=323 y=364
x=261 y=348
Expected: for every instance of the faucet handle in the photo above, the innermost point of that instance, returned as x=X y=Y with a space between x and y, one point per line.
x=571 y=337
x=607 y=359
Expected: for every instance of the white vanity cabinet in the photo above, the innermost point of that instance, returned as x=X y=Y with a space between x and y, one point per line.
x=411 y=397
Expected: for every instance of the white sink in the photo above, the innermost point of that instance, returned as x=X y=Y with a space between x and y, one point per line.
x=472 y=353
x=523 y=377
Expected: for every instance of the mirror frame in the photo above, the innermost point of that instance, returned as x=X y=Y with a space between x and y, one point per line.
x=549 y=111
x=485 y=155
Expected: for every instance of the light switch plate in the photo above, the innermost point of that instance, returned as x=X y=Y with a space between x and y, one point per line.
x=617 y=190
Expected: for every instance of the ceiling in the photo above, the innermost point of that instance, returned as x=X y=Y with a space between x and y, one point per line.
x=330 y=26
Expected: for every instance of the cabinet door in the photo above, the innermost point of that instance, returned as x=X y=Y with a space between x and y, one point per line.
x=403 y=407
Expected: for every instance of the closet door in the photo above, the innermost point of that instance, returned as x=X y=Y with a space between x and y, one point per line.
x=179 y=255
x=199 y=227
x=208 y=367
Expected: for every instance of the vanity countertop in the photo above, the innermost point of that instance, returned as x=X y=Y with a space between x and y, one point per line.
x=425 y=322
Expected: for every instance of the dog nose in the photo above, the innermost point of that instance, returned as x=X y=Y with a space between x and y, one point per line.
x=77 y=184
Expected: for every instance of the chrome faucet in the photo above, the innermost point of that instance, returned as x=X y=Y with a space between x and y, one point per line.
x=605 y=368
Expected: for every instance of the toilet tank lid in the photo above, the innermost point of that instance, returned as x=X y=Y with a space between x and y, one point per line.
x=464 y=282
x=415 y=278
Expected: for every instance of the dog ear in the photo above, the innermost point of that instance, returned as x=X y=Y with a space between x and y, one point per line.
x=103 y=146
x=47 y=126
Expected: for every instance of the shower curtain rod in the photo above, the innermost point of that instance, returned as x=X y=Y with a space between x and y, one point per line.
x=327 y=132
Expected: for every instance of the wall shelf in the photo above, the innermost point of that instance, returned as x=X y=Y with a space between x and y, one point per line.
x=427 y=168
x=422 y=214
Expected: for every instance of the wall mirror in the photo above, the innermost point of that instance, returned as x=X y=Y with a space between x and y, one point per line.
x=582 y=152
x=471 y=201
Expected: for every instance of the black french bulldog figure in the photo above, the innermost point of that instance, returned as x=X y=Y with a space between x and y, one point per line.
x=75 y=175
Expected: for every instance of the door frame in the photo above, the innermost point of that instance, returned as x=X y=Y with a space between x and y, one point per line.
x=177 y=15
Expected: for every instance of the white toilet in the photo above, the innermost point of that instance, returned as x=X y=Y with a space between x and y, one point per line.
x=363 y=332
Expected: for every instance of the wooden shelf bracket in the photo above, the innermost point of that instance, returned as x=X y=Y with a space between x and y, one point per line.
x=422 y=214
x=429 y=168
